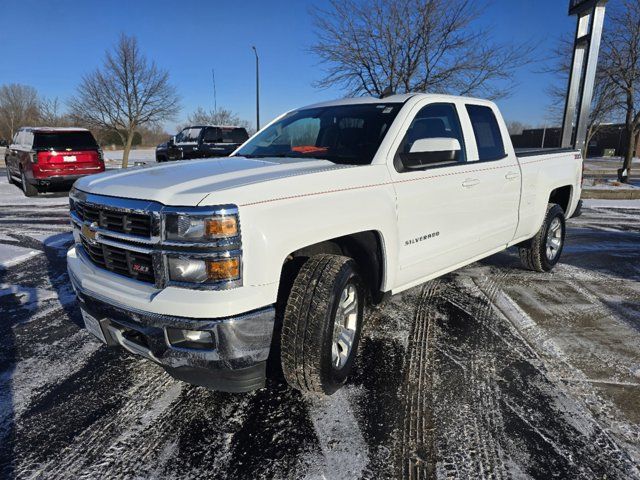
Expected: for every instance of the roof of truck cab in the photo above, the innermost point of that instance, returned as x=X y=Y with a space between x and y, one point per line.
x=402 y=98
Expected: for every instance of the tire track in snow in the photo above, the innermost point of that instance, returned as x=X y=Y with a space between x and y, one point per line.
x=344 y=451
x=417 y=450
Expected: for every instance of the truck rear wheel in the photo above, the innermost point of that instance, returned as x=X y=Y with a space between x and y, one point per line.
x=543 y=251
x=9 y=177
x=28 y=189
x=322 y=323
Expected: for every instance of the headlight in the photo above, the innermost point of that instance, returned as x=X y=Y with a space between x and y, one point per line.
x=200 y=228
x=204 y=270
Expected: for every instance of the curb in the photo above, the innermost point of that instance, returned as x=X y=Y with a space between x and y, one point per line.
x=626 y=194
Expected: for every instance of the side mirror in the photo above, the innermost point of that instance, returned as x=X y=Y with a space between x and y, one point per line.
x=426 y=152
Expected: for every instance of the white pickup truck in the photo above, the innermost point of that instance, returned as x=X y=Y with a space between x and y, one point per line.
x=210 y=268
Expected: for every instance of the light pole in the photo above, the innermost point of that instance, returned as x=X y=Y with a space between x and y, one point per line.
x=619 y=142
x=257 y=88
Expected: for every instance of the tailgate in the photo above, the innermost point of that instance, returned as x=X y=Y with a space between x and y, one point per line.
x=70 y=163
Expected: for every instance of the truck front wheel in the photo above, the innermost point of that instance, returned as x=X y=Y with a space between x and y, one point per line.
x=322 y=323
x=543 y=251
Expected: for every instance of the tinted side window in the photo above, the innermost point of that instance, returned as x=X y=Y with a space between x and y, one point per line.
x=487 y=132
x=438 y=120
x=212 y=135
x=237 y=135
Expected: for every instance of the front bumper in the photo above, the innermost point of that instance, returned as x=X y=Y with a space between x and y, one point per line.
x=235 y=363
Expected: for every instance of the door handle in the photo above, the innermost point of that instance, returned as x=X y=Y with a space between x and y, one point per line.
x=512 y=175
x=470 y=182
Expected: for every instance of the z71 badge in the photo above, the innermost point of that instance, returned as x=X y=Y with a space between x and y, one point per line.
x=421 y=239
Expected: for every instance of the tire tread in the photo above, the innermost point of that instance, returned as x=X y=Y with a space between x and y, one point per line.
x=532 y=250
x=305 y=319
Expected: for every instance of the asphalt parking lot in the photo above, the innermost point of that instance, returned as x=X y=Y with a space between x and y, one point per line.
x=489 y=372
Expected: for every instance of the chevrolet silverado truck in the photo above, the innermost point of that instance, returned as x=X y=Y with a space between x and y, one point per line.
x=213 y=268
x=202 y=141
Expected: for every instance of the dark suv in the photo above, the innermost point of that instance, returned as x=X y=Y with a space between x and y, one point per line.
x=39 y=157
x=202 y=141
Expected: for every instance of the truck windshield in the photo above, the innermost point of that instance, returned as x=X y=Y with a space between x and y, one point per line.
x=188 y=135
x=349 y=134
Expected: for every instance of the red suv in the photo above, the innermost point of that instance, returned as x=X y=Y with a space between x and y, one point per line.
x=40 y=157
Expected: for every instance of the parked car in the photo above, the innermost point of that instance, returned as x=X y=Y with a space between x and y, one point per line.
x=328 y=208
x=202 y=141
x=3 y=149
x=40 y=157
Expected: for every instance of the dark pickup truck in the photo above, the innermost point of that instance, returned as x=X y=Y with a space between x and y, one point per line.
x=202 y=141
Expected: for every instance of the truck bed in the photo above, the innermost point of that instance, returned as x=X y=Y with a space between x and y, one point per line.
x=530 y=152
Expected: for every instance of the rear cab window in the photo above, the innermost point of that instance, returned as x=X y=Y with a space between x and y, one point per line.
x=487 y=133
x=71 y=140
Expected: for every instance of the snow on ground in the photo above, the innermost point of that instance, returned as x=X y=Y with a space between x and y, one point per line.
x=113 y=158
x=614 y=204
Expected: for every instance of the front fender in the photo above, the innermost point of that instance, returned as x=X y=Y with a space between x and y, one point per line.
x=272 y=230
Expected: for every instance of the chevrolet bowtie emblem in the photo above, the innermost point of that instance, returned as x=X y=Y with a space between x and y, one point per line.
x=88 y=232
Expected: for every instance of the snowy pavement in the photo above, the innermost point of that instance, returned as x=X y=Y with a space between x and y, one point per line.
x=489 y=372
x=113 y=158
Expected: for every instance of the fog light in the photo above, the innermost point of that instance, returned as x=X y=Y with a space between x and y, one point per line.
x=196 y=339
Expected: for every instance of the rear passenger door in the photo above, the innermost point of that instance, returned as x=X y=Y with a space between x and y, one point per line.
x=498 y=178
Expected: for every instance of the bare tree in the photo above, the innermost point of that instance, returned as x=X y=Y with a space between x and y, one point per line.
x=378 y=46
x=221 y=116
x=51 y=113
x=516 y=128
x=19 y=106
x=605 y=105
x=621 y=64
x=126 y=93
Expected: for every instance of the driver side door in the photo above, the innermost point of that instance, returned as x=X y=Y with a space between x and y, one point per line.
x=438 y=207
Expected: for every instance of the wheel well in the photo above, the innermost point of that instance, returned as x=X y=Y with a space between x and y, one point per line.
x=364 y=247
x=561 y=196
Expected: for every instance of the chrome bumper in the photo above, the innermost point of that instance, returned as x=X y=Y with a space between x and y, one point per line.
x=236 y=363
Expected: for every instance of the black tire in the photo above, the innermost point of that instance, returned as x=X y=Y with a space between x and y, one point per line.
x=534 y=252
x=28 y=189
x=308 y=342
x=9 y=177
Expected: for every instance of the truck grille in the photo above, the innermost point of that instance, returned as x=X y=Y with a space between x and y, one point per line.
x=138 y=266
x=115 y=220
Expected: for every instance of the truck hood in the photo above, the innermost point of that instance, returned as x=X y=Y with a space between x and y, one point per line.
x=187 y=183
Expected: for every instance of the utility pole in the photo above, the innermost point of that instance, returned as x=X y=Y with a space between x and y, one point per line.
x=257 y=89
x=618 y=151
x=215 y=96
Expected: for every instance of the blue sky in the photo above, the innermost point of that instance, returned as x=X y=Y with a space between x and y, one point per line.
x=50 y=44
